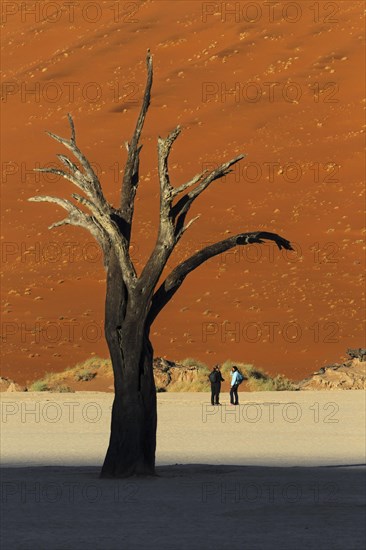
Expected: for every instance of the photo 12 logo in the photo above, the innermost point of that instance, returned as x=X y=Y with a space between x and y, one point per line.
x=271 y=11
x=70 y=91
x=268 y=492
x=51 y=332
x=269 y=331
x=271 y=92
x=317 y=253
x=48 y=172
x=73 y=11
x=67 y=492
x=252 y=413
x=50 y=252
x=50 y=412
x=278 y=172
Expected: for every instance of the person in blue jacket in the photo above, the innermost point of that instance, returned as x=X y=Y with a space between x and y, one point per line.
x=235 y=381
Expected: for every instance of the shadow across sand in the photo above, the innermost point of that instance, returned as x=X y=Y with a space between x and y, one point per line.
x=191 y=506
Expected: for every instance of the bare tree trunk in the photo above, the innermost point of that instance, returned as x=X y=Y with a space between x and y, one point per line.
x=133 y=427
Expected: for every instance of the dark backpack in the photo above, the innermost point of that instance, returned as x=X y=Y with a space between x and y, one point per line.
x=240 y=378
x=213 y=377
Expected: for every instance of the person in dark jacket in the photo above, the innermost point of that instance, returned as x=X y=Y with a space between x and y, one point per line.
x=215 y=379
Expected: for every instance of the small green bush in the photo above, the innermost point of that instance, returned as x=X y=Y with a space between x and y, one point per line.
x=92 y=363
x=282 y=383
x=39 y=385
x=278 y=383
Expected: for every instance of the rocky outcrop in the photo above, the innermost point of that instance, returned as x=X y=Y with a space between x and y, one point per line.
x=8 y=385
x=169 y=374
x=357 y=353
x=350 y=375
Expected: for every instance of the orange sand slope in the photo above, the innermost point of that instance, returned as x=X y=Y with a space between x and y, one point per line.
x=278 y=83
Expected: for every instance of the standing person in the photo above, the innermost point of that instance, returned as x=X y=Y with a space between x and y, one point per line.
x=215 y=379
x=220 y=379
x=235 y=381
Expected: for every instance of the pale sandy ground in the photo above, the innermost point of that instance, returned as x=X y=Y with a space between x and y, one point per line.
x=284 y=471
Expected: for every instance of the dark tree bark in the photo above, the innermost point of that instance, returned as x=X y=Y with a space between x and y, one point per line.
x=133 y=303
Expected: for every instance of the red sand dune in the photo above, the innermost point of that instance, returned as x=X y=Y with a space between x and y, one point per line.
x=296 y=111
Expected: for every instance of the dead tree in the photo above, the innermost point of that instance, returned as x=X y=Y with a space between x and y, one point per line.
x=133 y=302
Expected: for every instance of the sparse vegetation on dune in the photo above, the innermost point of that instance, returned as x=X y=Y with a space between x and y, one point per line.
x=39 y=385
x=191 y=362
x=195 y=380
x=81 y=372
x=278 y=383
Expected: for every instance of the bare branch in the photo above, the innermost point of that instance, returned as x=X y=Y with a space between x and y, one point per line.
x=66 y=221
x=78 y=218
x=66 y=204
x=109 y=225
x=89 y=204
x=164 y=148
x=89 y=181
x=61 y=140
x=184 y=229
x=181 y=208
x=172 y=218
x=166 y=239
x=70 y=165
x=175 y=279
x=106 y=217
x=131 y=174
x=72 y=127
x=185 y=186
x=76 y=181
x=106 y=224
